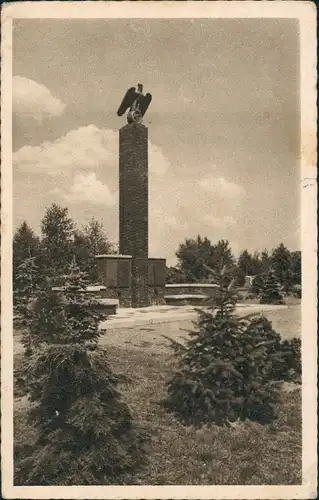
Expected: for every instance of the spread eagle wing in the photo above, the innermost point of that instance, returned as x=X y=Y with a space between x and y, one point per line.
x=145 y=102
x=127 y=101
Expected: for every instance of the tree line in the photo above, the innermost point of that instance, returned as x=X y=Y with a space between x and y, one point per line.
x=196 y=257
x=62 y=242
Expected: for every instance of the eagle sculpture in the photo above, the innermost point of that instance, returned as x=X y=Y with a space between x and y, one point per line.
x=136 y=102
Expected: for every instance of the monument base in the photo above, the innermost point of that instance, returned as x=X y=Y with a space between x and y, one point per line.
x=129 y=281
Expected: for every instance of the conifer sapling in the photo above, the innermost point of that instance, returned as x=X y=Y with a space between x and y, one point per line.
x=226 y=371
x=85 y=431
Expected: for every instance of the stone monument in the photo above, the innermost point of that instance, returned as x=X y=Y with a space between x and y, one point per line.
x=131 y=276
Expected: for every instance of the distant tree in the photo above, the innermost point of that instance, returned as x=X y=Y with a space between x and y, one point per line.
x=222 y=256
x=89 y=242
x=240 y=276
x=248 y=265
x=281 y=264
x=99 y=242
x=175 y=275
x=57 y=230
x=257 y=285
x=245 y=263
x=85 y=432
x=271 y=291
x=196 y=256
x=296 y=267
x=192 y=257
x=26 y=262
x=257 y=267
x=81 y=250
x=26 y=283
x=265 y=261
x=25 y=244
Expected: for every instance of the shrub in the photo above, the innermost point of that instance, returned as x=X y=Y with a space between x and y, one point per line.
x=297 y=291
x=25 y=286
x=289 y=367
x=229 y=369
x=271 y=293
x=257 y=284
x=85 y=431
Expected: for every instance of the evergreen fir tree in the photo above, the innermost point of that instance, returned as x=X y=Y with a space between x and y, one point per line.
x=281 y=264
x=57 y=230
x=271 y=293
x=88 y=243
x=226 y=371
x=257 y=284
x=25 y=286
x=25 y=244
x=86 y=434
x=26 y=269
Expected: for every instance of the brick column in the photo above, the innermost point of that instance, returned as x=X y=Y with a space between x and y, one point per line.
x=133 y=229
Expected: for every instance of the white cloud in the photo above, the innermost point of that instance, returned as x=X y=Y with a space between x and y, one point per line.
x=158 y=163
x=33 y=100
x=181 y=208
x=220 y=187
x=86 y=148
x=86 y=188
x=82 y=167
x=219 y=222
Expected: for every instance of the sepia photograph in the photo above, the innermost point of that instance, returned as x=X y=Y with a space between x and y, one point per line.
x=158 y=208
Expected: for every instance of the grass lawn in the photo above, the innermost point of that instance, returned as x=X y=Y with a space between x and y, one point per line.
x=246 y=454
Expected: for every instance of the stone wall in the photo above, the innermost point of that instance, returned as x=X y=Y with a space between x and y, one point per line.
x=156 y=280
x=190 y=289
x=116 y=275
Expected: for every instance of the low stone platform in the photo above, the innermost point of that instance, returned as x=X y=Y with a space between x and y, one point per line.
x=129 y=317
x=185 y=298
x=109 y=306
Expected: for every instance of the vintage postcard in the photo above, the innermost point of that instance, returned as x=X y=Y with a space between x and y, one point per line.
x=159 y=250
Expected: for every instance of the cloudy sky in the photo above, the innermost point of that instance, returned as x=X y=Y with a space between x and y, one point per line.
x=223 y=125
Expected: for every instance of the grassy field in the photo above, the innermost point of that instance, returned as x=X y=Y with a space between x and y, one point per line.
x=248 y=453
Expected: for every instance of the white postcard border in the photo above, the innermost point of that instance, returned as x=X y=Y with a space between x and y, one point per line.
x=306 y=13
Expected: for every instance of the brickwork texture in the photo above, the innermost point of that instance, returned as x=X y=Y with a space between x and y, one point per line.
x=133 y=209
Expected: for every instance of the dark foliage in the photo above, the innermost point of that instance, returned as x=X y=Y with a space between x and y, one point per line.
x=230 y=368
x=90 y=241
x=257 y=285
x=286 y=266
x=27 y=276
x=25 y=285
x=197 y=256
x=174 y=275
x=271 y=290
x=85 y=431
x=57 y=230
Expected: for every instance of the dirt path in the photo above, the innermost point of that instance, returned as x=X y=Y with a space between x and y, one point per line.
x=151 y=337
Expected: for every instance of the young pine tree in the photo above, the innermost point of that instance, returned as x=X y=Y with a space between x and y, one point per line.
x=257 y=284
x=86 y=434
x=26 y=285
x=226 y=370
x=57 y=230
x=26 y=270
x=271 y=292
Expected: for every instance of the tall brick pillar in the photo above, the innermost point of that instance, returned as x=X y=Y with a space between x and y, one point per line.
x=134 y=207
